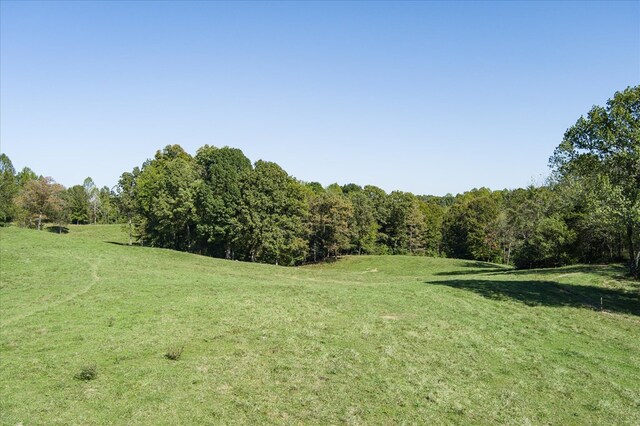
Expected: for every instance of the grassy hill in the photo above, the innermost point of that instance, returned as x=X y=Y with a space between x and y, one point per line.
x=366 y=340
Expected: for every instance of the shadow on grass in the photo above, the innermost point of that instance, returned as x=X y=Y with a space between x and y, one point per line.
x=617 y=271
x=119 y=244
x=549 y=293
x=58 y=229
x=475 y=268
x=479 y=264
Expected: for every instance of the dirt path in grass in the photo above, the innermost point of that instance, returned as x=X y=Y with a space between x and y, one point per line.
x=94 y=279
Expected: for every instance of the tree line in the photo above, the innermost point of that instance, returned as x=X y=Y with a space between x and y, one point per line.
x=32 y=200
x=218 y=203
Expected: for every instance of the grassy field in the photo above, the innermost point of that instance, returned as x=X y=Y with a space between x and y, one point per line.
x=366 y=340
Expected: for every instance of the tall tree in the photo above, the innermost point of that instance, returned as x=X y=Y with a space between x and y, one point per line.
x=77 y=204
x=536 y=220
x=8 y=188
x=218 y=198
x=93 y=195
x=364 y=227
x=272 y=216
x=25 y=175
x=330 y=215
x=41 y=199
x=126 y=200
x=604 y=147
x=433 y=214
x=108 y=209
x=165 y=197
x=380 y=203
x=467 y=227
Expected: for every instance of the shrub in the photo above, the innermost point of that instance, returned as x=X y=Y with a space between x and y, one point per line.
x=87 y=372
x=174 y=353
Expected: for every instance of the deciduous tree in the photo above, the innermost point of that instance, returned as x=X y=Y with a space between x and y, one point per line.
x=218 y=198
x=41 y=199
x=77 y=205
x=604 y=147
x=8 y=188
x=272 y=215
x=165 y=199
x=330 y=215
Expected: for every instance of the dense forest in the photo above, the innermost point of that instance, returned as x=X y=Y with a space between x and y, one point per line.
x=218 y=203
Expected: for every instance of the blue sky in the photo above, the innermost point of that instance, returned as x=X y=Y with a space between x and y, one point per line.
x=424 y=97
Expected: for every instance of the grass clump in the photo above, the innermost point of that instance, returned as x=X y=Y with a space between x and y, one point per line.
x=87 y=372
x=174 y=352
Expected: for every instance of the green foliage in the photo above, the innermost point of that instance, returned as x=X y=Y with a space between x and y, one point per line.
x=218 y=199
x=87 y=372
x=8 y=189
x=433 y=214
x=40 y=200
x=546 y=245
x=364 y=227
x=77 y=205
x=165 y=193
x=25 y=175
x=331 y=214
x=468 y=228
x=174 y=352
x=404 y=225
x=314 y=187
x=350 y=188
x=93 y=198
x=604 y=148
x=379 y=201
x=108 y=212
x=271 y=216
x=217 y=204
x=126 y=201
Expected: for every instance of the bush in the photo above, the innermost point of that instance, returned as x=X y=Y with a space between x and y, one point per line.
x=88 y=372
x=174 y=353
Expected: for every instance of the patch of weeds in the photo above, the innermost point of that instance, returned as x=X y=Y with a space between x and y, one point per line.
x=174 y=353
x=87 y=372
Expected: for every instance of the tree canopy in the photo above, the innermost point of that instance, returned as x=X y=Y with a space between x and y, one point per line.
x=218 y=203
x=603 y=149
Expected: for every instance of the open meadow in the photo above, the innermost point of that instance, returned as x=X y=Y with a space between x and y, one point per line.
x=365 y=340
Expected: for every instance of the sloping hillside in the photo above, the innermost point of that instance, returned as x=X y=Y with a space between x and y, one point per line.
x=366 y=340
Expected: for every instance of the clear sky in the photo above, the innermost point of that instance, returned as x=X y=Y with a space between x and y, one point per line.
x=424 y=97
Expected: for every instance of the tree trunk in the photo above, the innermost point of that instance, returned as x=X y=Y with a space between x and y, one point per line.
x=619 y=246
x=633 y=259
x=39 y=221
x=130 y=230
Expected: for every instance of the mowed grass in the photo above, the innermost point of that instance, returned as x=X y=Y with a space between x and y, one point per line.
x=366 y=340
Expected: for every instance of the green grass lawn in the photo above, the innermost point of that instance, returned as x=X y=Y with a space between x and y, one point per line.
x=366 y=340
